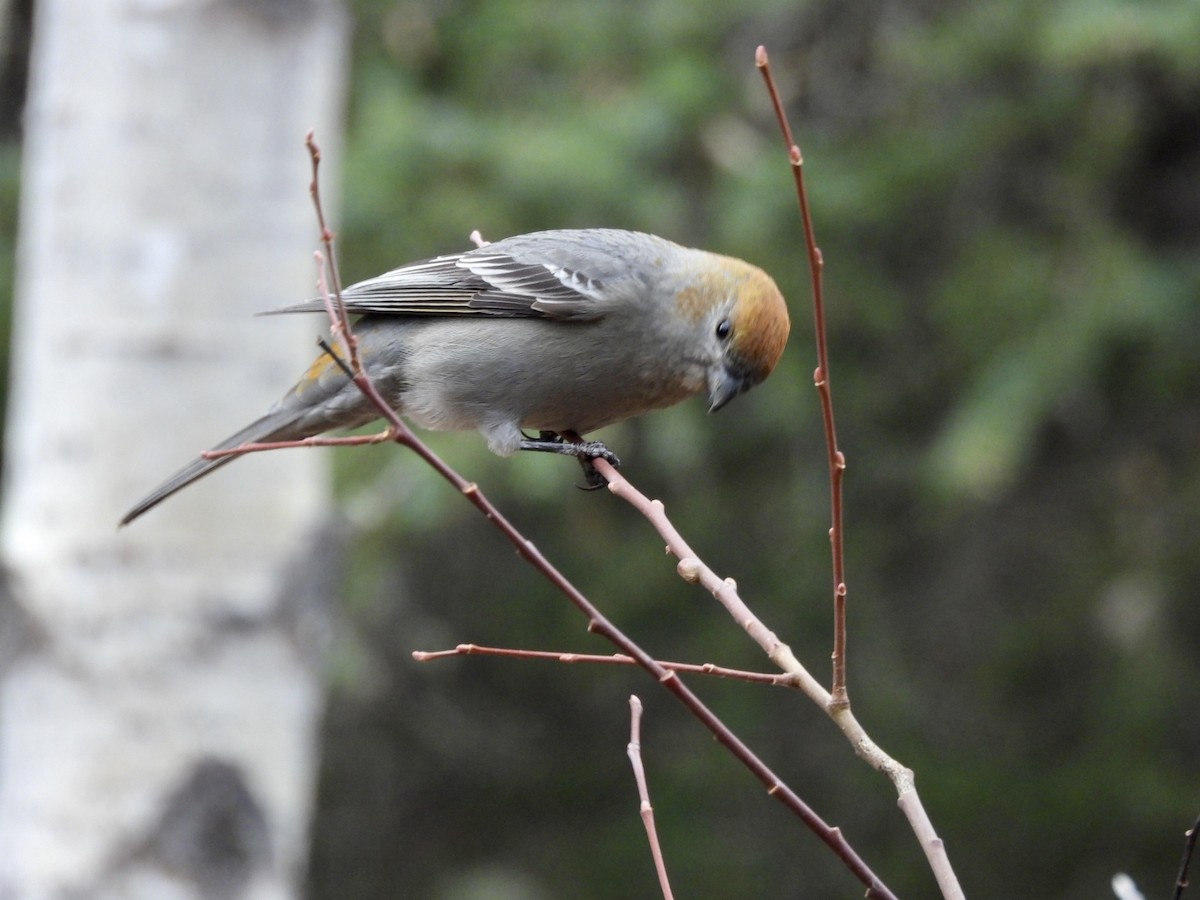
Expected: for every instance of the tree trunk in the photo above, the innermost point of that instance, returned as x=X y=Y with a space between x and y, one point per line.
x=161 y=690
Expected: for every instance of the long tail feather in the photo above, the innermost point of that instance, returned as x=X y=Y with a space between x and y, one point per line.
x=274 y=426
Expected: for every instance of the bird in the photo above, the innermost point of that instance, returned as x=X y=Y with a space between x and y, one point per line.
x=558 y=332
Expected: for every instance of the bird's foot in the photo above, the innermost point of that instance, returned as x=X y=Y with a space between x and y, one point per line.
x=584 y=451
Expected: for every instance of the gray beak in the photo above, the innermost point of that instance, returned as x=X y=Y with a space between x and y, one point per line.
x=723 y=388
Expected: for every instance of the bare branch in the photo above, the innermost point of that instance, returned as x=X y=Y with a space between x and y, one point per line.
x=634 y=751
x=615 y=659
x=821 y=378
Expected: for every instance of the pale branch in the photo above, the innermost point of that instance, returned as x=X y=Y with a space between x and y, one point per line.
x=331 y=287
x=634 y=751
x=316 y=440
x=614 y=659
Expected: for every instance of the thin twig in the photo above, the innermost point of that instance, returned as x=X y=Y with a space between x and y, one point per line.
x=316 y=440
x=1189 y=847
x=821 y=378
x=334 y=306
x=613 y=659
x=839 y=705
x=634 y=751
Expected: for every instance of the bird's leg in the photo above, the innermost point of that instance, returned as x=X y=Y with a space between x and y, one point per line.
x=584 y=451
x=553 y=442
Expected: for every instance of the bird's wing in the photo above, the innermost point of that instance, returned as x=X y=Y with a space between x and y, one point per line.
x=486 y=281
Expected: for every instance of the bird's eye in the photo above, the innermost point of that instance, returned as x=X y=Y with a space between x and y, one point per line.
x=724 y=329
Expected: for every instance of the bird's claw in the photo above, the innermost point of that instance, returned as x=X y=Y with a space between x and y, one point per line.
x=591 y=475
x=584 y=451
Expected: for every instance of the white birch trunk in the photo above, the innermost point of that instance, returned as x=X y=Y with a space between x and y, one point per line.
x=157 y=726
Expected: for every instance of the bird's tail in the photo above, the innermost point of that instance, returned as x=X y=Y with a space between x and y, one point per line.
x=277 y=425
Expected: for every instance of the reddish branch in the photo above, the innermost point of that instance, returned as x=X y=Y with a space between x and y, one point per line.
x=821 y=378
x=839 y=702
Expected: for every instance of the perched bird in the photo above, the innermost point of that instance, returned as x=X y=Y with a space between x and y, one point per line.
x=555 y=331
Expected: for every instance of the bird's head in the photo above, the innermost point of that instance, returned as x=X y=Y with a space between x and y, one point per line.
x=749 y=325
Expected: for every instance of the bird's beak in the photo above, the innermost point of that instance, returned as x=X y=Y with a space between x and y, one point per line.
x=723 y=387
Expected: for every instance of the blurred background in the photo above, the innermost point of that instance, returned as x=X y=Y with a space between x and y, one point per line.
x=1007 y=194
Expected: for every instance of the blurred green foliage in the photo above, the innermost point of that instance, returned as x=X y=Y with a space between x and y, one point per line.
x=1008 y=197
